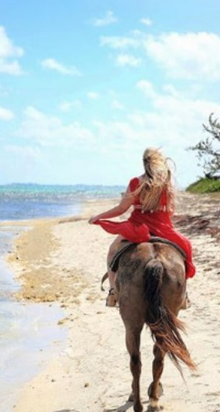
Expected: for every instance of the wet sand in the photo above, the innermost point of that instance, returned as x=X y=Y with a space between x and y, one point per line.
x=28 y=330
x=62 y=261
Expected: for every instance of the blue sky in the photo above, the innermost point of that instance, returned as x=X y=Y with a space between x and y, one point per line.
x=87 y=85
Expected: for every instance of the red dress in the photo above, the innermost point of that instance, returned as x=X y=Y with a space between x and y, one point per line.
x=140 y=226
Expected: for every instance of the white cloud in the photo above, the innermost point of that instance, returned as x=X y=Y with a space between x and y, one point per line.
x=9 y=54
x=147 y=88
x=170 y=89
x=146 y=22
x=170 y=119
x=108 y=19
x=173 y=121
x=116 y=42
x=65 y=106
x=189 y=56
x=117 y=105
x=6 y=114
x=119 y=134
x=53 y=64
x=192 y=56
x=92 y=95
x=127 y=60
x=175 y=117
x=51 y=131
x=24 y=151
x=68 y=106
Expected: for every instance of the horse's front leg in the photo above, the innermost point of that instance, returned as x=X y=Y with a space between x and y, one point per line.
x=133 y=346
x=155 y=389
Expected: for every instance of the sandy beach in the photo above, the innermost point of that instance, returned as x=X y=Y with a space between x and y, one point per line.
x=62 y=261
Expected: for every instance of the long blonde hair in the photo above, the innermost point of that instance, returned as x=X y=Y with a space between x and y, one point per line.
x=156 y=180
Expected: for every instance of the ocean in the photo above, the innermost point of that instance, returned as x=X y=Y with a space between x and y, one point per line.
x=28 y=330
x=30 y=201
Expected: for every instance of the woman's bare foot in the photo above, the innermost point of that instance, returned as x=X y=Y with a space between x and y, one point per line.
x=111 y=299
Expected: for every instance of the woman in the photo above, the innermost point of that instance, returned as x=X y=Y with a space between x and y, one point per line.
x=152 y=198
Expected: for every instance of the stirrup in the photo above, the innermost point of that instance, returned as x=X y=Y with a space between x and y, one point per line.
x=111 y=299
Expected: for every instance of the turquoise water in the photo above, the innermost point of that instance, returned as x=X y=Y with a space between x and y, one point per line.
x=30 y=201
x=28 y=331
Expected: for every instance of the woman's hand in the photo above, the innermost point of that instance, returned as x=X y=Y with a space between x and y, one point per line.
x=116 y=211
x=92 y=220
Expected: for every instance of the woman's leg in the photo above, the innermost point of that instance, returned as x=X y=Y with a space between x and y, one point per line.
x=112 y=250
x=185 y=244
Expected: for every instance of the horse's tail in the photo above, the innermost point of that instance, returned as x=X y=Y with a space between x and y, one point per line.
x=163 y=324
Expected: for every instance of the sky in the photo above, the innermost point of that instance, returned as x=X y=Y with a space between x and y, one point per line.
x=87 y=85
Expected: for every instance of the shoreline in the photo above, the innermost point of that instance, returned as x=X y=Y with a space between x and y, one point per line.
x=35 y=247
x=27 y=329
x=94 y=365
x=27 y=261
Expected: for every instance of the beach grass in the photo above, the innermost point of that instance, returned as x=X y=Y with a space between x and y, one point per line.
x=204 y=185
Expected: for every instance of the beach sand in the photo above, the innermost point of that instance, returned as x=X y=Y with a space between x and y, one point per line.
x=62 y=261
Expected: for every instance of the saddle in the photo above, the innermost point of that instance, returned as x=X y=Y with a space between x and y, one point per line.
x=126 y=245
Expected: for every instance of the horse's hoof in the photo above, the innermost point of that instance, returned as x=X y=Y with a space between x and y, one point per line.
x=159 y=390
x=154 y=408
x=154 y=405
x=138 y=408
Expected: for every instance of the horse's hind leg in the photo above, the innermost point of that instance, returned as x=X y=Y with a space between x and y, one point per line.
x=155 y=389
x=133 y=346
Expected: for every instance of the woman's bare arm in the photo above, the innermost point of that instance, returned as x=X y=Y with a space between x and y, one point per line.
x=118 y=210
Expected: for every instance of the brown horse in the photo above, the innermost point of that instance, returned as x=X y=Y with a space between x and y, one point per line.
x=152 y=287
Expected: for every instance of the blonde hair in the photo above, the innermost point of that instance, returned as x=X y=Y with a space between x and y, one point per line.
x=156 y=180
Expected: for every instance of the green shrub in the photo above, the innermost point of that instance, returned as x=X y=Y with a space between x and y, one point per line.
x=204 y=185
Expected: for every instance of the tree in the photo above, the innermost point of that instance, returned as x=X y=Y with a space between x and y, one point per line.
x=208 y=149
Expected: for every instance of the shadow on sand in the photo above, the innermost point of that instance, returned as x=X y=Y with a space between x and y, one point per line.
x=127 y=406
x=122 y=408
x=67 y=410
